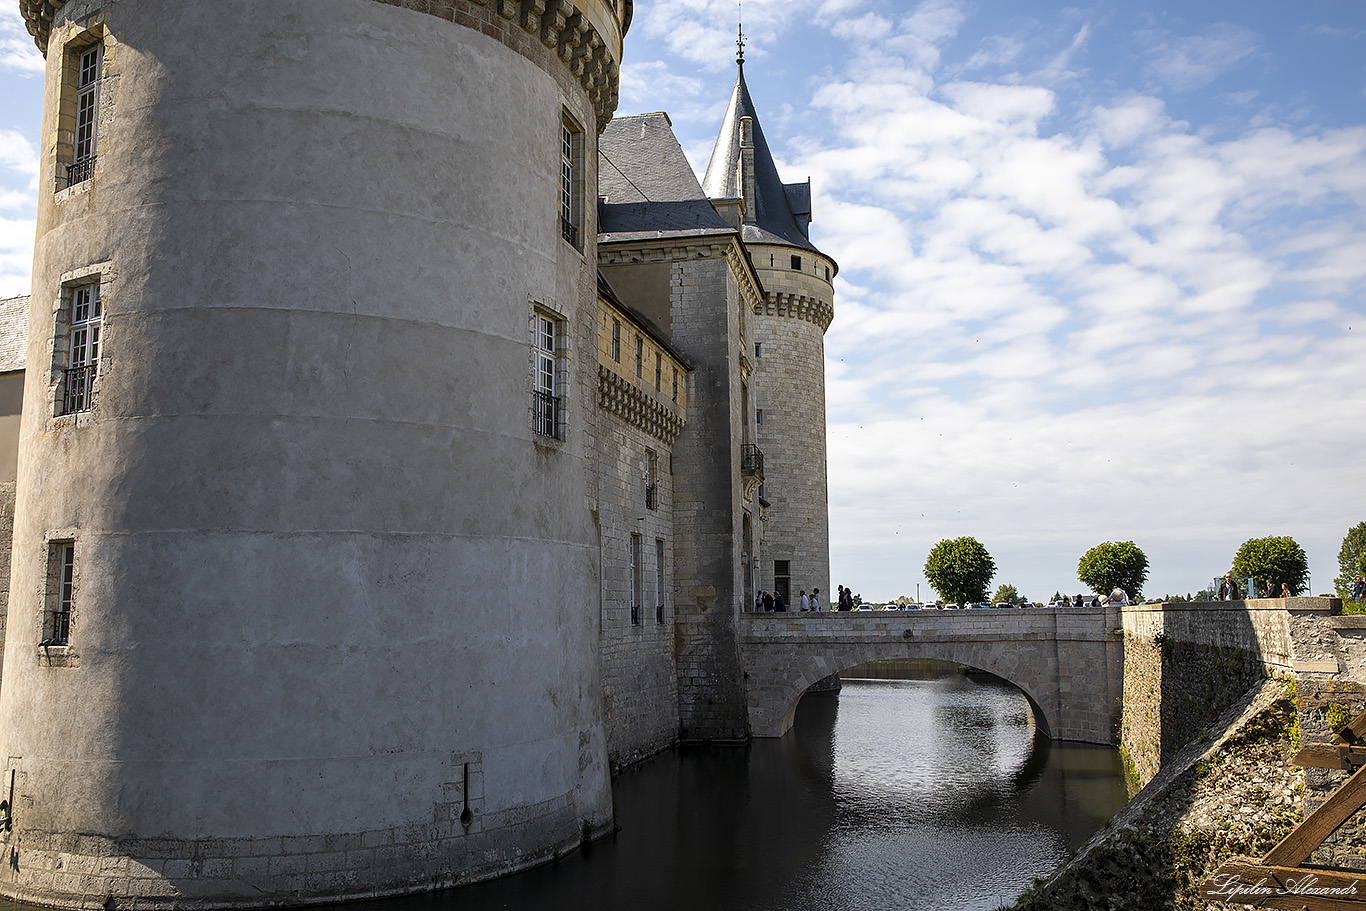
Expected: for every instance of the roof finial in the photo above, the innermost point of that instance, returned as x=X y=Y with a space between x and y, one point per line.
x=740 y=41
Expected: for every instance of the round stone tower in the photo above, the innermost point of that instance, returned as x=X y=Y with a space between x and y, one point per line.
x=304 y=587
x=789 y=352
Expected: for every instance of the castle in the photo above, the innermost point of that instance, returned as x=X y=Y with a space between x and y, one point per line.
x=401 y=438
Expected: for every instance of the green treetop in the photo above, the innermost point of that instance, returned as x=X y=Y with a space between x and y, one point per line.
x=1351 y=560
x=1271 y=562
x=960 y=570
x=1114 y=564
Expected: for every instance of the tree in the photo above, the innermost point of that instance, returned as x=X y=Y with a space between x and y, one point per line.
x=1351 y=560
x=960 y=570
x=1112 y=565
x=1007 y=594
x=1278 y=559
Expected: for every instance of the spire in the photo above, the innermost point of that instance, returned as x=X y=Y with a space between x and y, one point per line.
x=741 y=166
x=740 y=41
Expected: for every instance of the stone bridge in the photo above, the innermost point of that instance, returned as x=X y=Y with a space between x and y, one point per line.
x=1068 y=662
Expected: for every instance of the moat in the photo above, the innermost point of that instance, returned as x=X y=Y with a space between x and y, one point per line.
x=925 y=793
x=908 y=794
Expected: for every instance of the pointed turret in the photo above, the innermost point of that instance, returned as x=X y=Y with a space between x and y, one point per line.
x=742 y=167
x=788 y=376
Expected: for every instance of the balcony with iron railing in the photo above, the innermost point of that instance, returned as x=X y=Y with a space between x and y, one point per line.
x=751 y=461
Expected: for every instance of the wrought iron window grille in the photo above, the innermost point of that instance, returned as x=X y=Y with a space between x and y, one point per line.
x=80 y=170
x=78 y=389
x=546 y=414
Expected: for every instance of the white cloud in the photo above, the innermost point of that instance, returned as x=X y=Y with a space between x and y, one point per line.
x=18 y=53
x=1060 y=327
x=1194 y=61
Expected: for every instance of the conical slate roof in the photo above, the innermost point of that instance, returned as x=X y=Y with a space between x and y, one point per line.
x=781 y=211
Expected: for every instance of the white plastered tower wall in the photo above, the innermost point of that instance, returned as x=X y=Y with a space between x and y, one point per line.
x=334 y=627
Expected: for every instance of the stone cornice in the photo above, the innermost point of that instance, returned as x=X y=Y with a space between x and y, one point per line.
x=629 y=403
x=798 y=306
x=559 y=25
x=667 y=249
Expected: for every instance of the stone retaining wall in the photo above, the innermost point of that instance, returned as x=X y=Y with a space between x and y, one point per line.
x=1184 y=664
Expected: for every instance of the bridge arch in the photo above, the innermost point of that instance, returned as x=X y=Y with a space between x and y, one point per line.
x=1069 y=667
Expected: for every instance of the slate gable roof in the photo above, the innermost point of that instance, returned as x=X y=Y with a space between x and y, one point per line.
x=13 y=333
x=648 y=189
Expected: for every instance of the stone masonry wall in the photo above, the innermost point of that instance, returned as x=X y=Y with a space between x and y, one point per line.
x=789 y=370
x=6 y=538
x=707 y=508
x=640 y=688
x=1186 y=663
x=1330 y=662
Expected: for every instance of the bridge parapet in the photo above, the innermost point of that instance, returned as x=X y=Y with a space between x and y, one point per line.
x=1067 y=661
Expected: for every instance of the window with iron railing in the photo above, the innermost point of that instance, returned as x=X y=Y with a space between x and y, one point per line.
x=86 y=319
x=87 y=63
x=61 y=589
x=571 y=181
x=547 y=412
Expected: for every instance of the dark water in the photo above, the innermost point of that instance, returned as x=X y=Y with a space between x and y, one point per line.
x=892 y=796
x=895 y=795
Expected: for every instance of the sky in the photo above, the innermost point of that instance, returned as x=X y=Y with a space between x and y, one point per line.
x=1102 y=267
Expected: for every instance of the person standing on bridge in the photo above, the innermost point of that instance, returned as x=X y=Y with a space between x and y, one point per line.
x=806 y=602
x=1359 y=590
x=815 y=599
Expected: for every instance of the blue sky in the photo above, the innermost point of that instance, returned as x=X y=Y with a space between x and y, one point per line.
x=1103 y=267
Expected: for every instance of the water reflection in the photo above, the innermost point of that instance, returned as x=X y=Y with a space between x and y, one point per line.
x=908 y=794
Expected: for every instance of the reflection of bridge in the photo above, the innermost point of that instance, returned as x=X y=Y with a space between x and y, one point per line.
x=1069 y=662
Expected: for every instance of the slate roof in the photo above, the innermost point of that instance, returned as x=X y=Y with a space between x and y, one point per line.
x=777 y=205
x=647 y=185
x=13 y=333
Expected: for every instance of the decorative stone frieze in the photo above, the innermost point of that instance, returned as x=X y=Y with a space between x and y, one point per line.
x=558 y=24
x=796 y=306
x=626 y=401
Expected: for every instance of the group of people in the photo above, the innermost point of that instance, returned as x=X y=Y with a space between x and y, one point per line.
x=1359 y=590
x=774 y=601
x=1229 y=591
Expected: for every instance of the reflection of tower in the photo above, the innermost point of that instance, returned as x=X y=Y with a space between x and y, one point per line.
x=303 y=560
x=789 y=349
